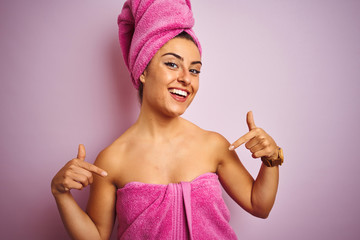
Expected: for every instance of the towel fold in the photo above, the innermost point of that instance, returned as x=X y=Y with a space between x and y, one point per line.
x=146 y=25
x=178 y=211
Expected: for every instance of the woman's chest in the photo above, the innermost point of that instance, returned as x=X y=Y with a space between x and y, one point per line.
x=163 y=165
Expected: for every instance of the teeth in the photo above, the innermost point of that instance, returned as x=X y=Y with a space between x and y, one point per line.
x=178 y=92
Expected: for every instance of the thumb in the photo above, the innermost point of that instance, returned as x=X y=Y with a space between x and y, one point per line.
x=250 y=120
x=81 y=152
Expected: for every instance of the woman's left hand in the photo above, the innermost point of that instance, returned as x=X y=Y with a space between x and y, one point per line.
x=257 y=141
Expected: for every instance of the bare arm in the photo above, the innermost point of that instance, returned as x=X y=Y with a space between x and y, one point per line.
x=77 y=223
x=77 y=174
x=255 y=196
x=101 y=205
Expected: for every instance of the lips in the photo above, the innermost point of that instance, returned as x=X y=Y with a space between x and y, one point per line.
x=179 y=94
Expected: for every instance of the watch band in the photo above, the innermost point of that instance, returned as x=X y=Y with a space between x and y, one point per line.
x=272 y=163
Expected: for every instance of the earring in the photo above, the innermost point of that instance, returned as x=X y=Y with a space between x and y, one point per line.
x=142 y=78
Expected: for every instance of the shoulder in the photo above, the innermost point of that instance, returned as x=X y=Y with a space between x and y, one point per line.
x=110 y=155
x=218 y=144
x=210 y=135
x=111 y=158
x=217 y=139
x=212 y=139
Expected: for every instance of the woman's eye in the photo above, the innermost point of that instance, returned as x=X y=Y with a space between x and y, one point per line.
x=194 y=71
x=171 y=64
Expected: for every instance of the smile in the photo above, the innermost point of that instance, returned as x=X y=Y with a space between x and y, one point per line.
x=178 y=92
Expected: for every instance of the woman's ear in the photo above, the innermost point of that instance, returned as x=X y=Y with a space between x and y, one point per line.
x=142 y=77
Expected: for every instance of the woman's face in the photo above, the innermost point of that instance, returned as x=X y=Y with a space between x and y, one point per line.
x=171 y=79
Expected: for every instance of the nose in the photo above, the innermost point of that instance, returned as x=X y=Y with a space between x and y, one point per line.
x=184 y=77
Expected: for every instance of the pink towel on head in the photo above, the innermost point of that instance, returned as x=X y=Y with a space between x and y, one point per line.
x=177 y=211
x=146 y=25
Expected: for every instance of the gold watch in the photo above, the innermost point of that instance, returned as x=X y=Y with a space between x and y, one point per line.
x=272 y=163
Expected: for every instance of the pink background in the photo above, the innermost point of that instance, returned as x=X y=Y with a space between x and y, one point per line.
x=296 y=64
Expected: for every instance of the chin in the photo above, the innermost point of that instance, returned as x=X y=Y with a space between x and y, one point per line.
x=176 y=111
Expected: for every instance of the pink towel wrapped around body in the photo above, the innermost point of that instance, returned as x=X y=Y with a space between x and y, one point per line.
x=178 y=211
x=146 y=25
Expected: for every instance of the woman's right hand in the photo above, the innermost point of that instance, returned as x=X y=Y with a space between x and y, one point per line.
x=76 y=174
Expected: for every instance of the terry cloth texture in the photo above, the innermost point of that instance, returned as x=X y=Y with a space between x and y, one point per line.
x=178 y=211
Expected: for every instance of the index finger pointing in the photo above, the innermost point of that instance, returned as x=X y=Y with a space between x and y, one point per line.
x=243 y=139
x=94 y=169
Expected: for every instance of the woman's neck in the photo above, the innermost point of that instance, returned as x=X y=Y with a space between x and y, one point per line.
x=158 y=126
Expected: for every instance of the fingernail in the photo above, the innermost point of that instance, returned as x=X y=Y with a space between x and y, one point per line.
x=231 y=147
x=104 y=174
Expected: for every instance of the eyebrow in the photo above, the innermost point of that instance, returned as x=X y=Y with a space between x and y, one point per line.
x=181 y=58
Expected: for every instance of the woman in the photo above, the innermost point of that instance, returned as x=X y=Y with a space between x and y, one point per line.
x=162 y=175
